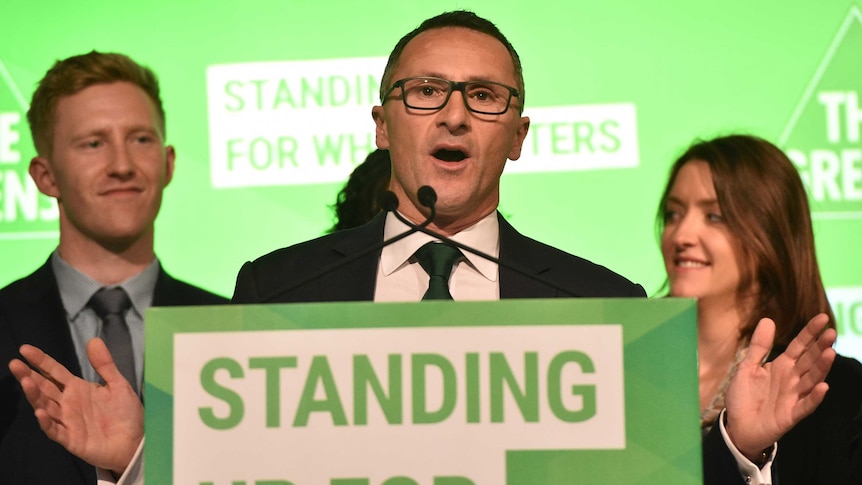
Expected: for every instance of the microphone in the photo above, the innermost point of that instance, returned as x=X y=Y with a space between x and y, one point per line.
x=389 y=202
x=428 y=198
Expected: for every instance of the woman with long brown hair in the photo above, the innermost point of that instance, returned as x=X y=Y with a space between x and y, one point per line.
x=736 y=234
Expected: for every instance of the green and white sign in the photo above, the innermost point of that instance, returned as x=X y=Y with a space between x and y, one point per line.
x=467 y=393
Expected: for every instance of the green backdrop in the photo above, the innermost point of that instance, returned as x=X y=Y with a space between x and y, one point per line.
x=787 y=71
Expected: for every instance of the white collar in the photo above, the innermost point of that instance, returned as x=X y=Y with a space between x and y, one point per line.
x=483 y=236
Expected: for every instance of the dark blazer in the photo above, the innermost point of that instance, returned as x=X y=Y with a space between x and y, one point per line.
x=823 y=448
x=290 y=274
x=32 y=312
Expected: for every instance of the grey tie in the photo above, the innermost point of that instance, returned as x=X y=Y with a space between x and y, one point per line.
x=437 y=260
x=111 y=304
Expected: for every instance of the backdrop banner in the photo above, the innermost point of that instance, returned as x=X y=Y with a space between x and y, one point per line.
x=439 y=393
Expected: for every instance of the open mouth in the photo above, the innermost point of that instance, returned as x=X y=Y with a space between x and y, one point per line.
x=450 y=155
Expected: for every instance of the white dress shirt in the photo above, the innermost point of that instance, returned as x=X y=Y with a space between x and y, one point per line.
x=401 y=278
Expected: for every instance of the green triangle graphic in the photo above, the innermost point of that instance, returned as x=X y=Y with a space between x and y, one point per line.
x=824 y=134
x=11 y=98
x=13 y=110
x=24 y=212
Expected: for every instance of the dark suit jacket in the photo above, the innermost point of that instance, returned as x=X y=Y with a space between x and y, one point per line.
x=823 y=448
x=283 y=275
x=32 y=312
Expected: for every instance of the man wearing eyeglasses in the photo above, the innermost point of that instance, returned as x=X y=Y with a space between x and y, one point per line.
x=450 y=109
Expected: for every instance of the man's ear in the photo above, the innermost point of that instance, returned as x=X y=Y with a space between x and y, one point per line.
x=520 y=136
x=42 y=174
x=170 y=156
x=380 y=131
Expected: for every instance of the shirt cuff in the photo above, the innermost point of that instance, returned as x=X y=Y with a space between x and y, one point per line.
x=749 y=470
x=134 y=474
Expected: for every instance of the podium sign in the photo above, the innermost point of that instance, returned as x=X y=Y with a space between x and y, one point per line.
x=564 y=391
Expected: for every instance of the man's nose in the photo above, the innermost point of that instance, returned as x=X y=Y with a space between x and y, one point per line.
x=455 y=115
x=122 y=161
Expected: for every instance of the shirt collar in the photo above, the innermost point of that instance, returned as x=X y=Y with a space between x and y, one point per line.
x=76 y=288
x=483 y=236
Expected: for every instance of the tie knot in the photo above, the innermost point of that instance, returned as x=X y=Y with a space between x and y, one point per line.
x=110 y=301
x=437 y=259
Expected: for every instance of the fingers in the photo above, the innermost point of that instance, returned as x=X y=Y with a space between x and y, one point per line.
x=809 y=403
x=36 y=396
x=809 y=336
x=46 y=365
x=816 y=373
x=43 y=396
x=37 y=389
x=19 y=369
x=761 y=343
x=103 y=363
x=813 y=364
x=827 y=338
x=52 y=427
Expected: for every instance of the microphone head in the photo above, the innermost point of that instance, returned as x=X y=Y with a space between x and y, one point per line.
x=388 y=201
x=427 y=196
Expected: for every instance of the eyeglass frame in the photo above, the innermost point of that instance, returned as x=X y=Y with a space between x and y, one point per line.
x=453 y=86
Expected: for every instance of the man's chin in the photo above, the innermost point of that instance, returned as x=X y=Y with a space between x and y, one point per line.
x=119 y=241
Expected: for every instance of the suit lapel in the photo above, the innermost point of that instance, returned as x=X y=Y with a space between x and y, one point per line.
x=167 y=291
x=517 y=250
x=43 y=319
x=355 y=281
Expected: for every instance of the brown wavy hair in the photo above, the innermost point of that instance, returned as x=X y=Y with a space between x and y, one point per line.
x=765 y=207
x=74 y=74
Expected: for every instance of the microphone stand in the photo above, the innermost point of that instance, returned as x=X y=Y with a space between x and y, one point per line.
x=428 y=198
x=389 y=203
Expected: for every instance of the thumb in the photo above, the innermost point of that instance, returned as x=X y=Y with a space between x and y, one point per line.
x=101 y=360
x=761 y=343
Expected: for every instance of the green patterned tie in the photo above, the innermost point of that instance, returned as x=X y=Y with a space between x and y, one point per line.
x=437 y=260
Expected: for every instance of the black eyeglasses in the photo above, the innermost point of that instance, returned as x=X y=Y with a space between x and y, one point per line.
x=430 y=93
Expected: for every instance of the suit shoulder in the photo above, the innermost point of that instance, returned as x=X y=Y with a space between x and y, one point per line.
x=295 y=273
x=582 y=276
x=170 y=291
x=303 y=249
x=196 y=295
x=310 y=256
x=25 y=288
x=603 y=282
x=297 y=257
x=845 y=377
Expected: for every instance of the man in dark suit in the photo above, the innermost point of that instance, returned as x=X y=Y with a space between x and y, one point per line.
x=452 y=97
x=99 y=130
x=281 y=276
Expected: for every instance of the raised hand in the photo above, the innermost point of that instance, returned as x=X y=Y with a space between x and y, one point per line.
x=764 y=401
x=101 y=424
